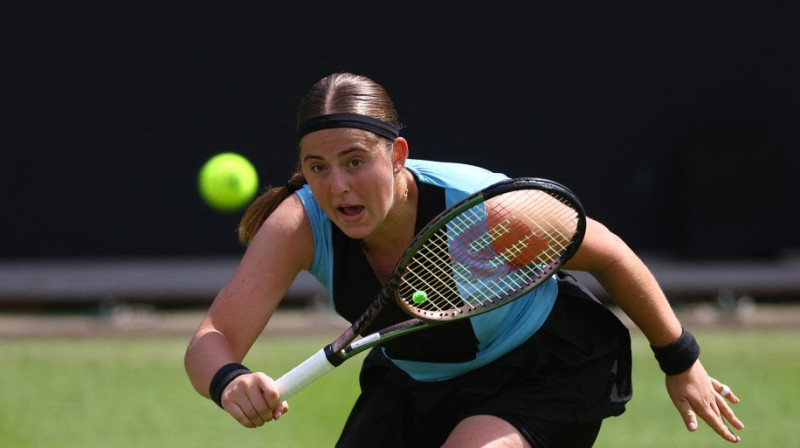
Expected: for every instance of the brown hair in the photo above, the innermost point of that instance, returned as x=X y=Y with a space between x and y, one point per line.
x=336 y=93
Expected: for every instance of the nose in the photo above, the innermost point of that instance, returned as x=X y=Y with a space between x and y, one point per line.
x=339 y=181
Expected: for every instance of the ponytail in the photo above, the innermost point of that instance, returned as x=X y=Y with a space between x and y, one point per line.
x=263 y=206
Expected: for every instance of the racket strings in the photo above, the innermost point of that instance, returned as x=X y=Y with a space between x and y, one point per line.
x=489 y=252
x=431 y=272
x=557 y=230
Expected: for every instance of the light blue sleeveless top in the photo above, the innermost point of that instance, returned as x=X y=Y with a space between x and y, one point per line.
x=499 y=331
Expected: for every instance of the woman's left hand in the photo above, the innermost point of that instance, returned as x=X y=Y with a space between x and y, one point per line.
x=696 y=394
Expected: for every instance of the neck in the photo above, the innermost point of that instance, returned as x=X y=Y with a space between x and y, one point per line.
x=399 y=227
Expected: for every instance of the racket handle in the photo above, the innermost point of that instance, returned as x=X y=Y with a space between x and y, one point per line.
x=306 y=373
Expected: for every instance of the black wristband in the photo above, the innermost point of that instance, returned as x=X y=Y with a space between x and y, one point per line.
x=678 y=356
x=222 y=378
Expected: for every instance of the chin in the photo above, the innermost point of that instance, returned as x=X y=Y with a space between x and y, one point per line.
x=355 y=232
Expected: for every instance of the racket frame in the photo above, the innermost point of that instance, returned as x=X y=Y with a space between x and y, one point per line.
x=346 y=346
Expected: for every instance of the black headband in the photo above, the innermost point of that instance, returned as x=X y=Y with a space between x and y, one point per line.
x=356 y=121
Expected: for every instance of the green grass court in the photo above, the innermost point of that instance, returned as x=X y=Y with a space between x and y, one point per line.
x=132 y=392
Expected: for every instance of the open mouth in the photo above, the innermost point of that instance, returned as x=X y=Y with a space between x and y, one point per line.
x=351 y=210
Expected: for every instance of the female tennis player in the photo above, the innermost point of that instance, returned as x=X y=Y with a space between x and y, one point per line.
x=543 y=371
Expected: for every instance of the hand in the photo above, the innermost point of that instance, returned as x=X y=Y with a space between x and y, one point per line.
x=253 y=400
x=695 y=394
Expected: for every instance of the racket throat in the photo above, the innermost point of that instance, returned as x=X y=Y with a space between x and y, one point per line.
x=333 y=356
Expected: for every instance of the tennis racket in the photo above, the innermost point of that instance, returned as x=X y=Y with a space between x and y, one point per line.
x=481 y=253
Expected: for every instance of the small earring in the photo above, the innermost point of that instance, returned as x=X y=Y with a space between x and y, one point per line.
x=396 y=170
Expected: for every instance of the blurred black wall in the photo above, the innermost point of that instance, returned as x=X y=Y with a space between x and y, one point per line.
x=674 y=122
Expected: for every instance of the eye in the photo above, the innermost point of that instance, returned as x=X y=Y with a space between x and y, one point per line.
x=316 y=168
x=355 y=163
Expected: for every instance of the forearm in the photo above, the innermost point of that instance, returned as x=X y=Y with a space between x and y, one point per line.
x=635 y=290
x=207 y=352
x=629 y=283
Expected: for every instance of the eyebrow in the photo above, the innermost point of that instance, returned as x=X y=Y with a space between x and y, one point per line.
x=340 y=154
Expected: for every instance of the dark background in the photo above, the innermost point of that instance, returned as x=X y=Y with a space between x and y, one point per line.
x=674 y=122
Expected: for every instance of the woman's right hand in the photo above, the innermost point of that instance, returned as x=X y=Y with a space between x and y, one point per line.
x=253 y=399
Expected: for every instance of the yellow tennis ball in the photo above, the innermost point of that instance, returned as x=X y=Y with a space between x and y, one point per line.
x=227 y=182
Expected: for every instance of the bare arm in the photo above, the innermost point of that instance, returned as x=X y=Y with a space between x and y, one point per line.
x=634 y=288
x=281 y=248
x=628 y=281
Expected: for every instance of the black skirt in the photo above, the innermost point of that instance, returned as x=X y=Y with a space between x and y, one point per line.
x=575 y=369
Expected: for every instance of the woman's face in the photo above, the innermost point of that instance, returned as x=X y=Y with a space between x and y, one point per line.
x=351 y=175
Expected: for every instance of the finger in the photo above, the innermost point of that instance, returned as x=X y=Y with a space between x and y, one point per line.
x=271 y=395
x=231 y=404
x=261 y=410
x=271 y=392
x=280 y=410
x=253 y=414
x=712 y=415
x=728 y=414
x=724 y=390
x=268 y=399
x=239 y=415
x=246 y=403
x=689 y=416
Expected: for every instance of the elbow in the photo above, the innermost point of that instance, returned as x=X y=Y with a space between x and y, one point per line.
x=601 y=250
x=190 y=366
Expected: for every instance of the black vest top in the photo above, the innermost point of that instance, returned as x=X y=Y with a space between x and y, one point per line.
x=355 y=286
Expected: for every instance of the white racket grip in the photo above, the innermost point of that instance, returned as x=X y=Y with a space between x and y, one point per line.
x=306 y=373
